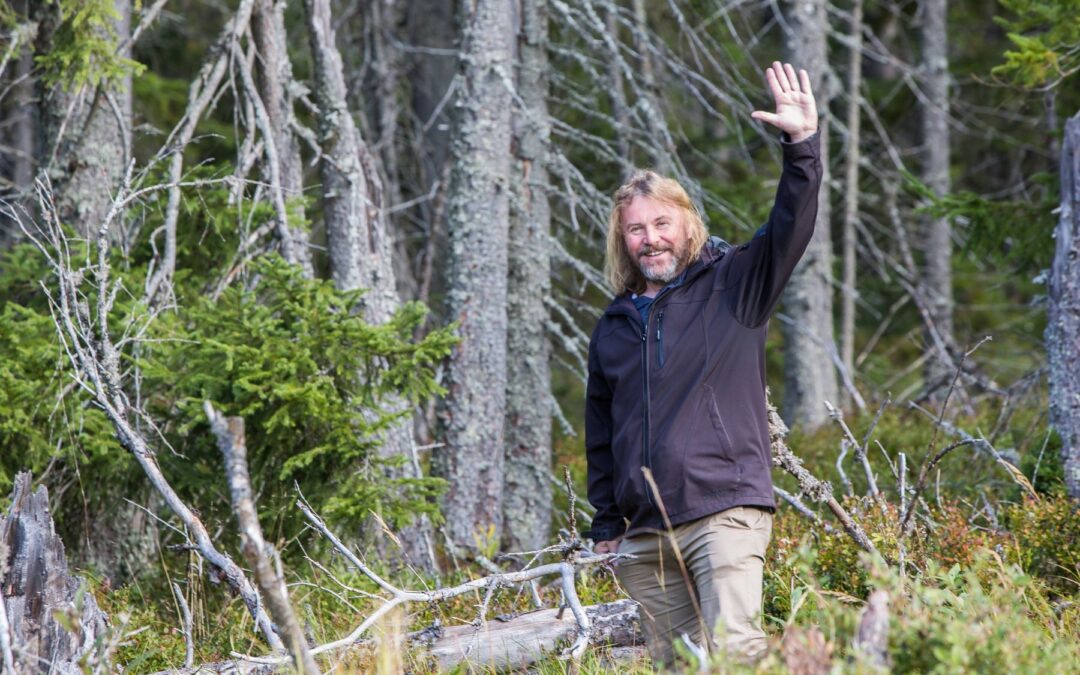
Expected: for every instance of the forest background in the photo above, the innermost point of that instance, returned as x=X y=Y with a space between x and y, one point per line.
x=374 y=231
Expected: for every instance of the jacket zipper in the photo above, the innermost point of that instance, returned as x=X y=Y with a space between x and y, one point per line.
x=660 y=338
x=646 y=460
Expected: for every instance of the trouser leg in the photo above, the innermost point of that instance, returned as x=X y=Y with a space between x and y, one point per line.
x=655 y=581
x=726 y=555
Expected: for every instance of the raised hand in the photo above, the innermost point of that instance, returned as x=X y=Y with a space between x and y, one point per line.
x=796 y=112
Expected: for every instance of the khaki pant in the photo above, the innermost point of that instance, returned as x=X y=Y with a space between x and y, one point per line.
x=724 y=555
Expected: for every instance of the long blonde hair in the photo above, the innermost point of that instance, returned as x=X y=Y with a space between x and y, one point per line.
x=622 y=272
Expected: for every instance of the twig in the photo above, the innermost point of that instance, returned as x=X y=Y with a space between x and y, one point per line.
x=871 y=482
x=185 y=612
x=803 y=509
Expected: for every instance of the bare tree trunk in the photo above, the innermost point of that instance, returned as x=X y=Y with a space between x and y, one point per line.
x=275 y=76
x=360 y=246
x=1063 y=315
x=851 y=193
x=527 y=484
x=661 y=153
x=85 y=133
x=18 y=150
x=618 y=94
x=472 y=460
x=937 y=275
x=809 y=374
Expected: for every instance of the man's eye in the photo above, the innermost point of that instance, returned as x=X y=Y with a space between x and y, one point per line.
x=662 y=223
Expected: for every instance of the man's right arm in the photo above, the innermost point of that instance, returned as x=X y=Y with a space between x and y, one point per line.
x=607 y=524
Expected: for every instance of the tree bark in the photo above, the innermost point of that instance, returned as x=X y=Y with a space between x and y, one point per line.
x=527 y=486
x=360 y=246
x=1063 y=314
x=472 y=459
x=809 y=374
x=937 y=272
x=274 y=78
x=85 y=133
x=37 y=590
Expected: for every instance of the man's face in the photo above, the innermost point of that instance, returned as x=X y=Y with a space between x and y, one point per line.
x=656 y=238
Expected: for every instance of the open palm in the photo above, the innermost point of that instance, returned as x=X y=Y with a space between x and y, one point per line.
x=796 y=111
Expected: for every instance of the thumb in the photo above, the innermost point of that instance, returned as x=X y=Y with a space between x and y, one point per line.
x=766 y=117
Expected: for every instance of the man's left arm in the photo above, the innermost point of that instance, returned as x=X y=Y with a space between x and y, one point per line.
x=760 y=269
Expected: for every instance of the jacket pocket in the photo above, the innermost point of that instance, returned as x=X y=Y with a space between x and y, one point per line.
x=718 y=421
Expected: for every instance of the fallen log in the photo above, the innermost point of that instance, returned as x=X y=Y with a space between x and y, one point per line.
x=526 y=638
x=38 y=594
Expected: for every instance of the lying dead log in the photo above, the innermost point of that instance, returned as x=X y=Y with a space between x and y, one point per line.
x=520 y=641
x=39 y=595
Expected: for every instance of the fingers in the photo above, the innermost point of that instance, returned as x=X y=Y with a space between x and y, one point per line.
x=774 y=84
x=782 y=78
x=804 y=82
x=792 y=79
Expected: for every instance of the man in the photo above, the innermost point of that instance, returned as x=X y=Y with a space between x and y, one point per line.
x=677 y=387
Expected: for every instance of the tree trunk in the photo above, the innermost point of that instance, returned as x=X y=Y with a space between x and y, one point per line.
x=851 y=193
x=527 y=486
x=472 y=459
x=809 y=374
x=275 y=77
x=85 y=133
x=1063 y=314
x=360 y=246
x=937 y=273
x=39 y=596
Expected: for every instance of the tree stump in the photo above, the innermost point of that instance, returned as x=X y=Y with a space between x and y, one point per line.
x=37 y=589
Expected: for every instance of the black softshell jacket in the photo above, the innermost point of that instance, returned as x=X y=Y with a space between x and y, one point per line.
x=684 y=395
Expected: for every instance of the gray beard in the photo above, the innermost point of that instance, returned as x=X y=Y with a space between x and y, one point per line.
x=665 y=274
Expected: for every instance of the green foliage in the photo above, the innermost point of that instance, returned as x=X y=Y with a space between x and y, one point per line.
x=311 y=378
x=85 y=46
x=1047 y=536
x=1017 y=231
x=43 y=417
x=1046 y=37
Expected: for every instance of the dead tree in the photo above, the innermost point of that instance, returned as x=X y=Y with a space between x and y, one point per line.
x=276 y=90
x=851 y=192
x=1063 y=320
x=526 y=486
x=479 y=204
x=260 y=555
x=359 y=239
x=38 y=595
x=82 y=318
x=934 y=114
x=809 y=374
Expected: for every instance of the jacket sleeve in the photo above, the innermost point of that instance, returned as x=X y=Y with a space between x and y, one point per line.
x=760 y=269
x=608 y=522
